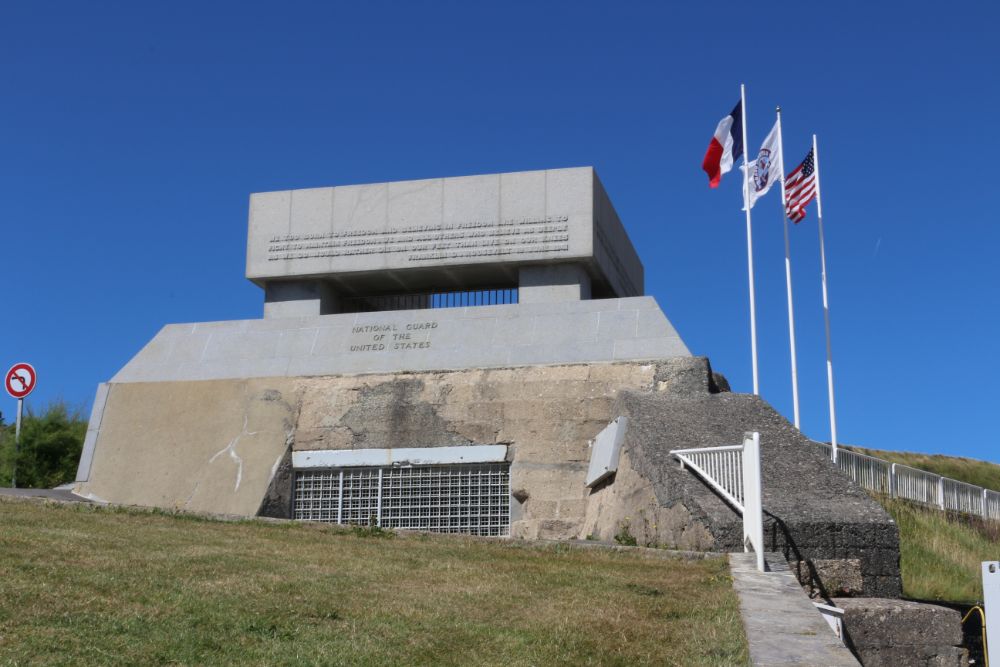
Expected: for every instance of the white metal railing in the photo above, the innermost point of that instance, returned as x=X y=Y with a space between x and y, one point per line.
x=900 y=481
x=721 y=467
x=734 y=473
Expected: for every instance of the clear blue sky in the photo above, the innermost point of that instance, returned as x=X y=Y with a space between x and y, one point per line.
x=131 y=135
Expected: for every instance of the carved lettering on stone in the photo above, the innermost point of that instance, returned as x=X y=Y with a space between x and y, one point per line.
x=478 y=238
x=392 y=337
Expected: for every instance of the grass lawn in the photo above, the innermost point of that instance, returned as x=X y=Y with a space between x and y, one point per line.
x=940 y=554
x=87 y=585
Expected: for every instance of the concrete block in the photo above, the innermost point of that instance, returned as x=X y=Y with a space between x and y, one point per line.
x=901 y=633
x=311 y=214
x=570 y=192
x=222 y=326
x=471 y=198
x=415 y=202
x=311 y=211
x=158 y=350
x=553 y=282
x=331 y=341
x=361 y=206
x=296 y=342
x=518 y=335
x=298 y=299
x=617 y=324
x=649 y=348
x=187 y=349
x=388 y=229
x=522 y=194
x=509 y=332
x=242 y=345
x=269 y=216
x=652 y=323
x=93 y=430
x=566 y=329
x=564 y=353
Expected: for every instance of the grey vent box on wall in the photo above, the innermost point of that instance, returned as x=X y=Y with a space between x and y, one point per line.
x=605 y=450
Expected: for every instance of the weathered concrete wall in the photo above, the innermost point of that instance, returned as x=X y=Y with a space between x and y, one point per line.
x=204 y=446
x=223 y=445
x=627 y=504
x=182 y=444
x=900 y=633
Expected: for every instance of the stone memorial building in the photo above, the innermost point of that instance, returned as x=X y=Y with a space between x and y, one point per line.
x=440 y=355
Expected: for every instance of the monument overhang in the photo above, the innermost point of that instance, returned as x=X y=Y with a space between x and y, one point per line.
x=443 y=233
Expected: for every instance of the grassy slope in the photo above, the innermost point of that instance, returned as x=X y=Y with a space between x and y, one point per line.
x=940 y=555
x=980 y=473
x=84 y=585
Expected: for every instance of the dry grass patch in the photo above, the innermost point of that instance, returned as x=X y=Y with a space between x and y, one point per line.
x=85 y=585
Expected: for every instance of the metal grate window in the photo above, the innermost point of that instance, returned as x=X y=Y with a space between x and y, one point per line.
x=492 y=296
x=473 y=499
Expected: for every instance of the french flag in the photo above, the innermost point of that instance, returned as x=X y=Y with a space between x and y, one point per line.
x=726 y=146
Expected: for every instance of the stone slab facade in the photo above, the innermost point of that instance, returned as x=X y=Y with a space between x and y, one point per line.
x=435 y=233
x=601 y=330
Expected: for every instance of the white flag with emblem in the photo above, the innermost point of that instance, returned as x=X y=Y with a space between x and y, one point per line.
x=766 y=170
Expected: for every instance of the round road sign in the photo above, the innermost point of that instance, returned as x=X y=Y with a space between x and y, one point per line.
x=20 y=380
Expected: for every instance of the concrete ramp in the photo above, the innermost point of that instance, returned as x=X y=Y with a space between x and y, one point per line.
x=782 y=625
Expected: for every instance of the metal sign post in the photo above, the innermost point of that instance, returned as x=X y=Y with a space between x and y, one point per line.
x=991 y=600
x=20 y=381
x=17 y=443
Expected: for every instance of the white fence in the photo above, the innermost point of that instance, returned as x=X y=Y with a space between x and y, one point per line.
x=900 y=481
x=734 y=472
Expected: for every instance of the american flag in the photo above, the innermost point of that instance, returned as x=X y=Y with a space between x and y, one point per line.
x=800 y=189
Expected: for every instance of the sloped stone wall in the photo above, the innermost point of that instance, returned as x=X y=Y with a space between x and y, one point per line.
x=838 y=539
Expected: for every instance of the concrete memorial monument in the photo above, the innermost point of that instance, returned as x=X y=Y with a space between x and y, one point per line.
x=440 y=355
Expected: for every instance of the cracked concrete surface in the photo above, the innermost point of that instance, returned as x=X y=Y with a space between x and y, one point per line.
x=202 y=446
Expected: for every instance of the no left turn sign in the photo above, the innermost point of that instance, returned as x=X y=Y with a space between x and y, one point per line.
x=20 y=380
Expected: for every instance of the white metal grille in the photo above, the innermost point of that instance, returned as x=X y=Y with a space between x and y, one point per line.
x=472 y=498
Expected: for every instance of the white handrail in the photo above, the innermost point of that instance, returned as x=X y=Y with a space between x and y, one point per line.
x=733 y=471
x=718 y=466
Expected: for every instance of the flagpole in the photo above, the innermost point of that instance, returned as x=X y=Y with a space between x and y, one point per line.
x=826 y=307
x=788 y=279
x=746 y=199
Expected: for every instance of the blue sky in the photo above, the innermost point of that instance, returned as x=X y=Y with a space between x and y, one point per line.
x=131 y=135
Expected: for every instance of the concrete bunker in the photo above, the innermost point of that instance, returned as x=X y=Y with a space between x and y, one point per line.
x=438 y=355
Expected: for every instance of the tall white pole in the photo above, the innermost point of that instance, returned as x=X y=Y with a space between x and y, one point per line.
x=826 y=306
x=788 y=279
x=746 y=199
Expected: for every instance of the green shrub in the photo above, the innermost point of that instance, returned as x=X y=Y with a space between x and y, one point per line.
x=49 y=451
